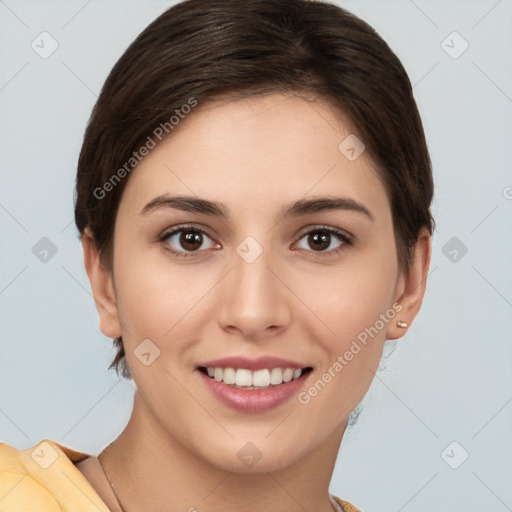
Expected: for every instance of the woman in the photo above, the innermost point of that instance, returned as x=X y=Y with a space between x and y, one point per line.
x=253 y=197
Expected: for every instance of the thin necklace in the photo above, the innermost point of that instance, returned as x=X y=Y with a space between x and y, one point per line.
x=110 y=481
x=331 y=499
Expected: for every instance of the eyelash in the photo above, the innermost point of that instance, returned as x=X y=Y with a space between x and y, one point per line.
x=341 y=235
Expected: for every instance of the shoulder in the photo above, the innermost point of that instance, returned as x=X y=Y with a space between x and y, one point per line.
x=20 y=490
x=346 y=506
x=44 y=477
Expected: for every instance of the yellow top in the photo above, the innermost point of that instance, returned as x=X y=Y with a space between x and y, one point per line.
x=44 y=479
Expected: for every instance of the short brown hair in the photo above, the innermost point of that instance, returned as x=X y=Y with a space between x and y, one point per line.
x=207 y=49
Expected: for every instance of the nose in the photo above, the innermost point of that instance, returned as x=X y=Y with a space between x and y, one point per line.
x=253 y=301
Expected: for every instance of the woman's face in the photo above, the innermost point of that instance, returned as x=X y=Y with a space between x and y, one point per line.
x=285 y=272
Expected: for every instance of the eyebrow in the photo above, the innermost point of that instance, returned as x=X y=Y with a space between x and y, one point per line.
x=216 y=209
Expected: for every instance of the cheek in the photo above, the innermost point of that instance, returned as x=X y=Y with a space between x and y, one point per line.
x=141 y=302
x=350 y=298
x=160 y=300
x=355 y=309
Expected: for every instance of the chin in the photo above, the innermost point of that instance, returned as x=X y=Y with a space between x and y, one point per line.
x=248 y=458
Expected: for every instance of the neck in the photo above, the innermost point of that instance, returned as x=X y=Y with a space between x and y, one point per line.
x=152 y=471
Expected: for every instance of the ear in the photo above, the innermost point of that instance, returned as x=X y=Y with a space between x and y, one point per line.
x=411 y=287
x=102 y=286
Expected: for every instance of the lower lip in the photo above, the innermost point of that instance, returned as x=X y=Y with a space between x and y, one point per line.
x=254 y=400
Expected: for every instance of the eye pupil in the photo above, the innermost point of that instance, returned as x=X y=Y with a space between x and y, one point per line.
x=191 y=240
x=319 y=240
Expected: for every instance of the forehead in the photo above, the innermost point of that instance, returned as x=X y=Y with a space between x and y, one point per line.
x=275 y=148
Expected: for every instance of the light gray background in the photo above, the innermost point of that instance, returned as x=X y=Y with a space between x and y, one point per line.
x=448 y=380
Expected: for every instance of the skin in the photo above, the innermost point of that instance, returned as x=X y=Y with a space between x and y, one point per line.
x=179 y=449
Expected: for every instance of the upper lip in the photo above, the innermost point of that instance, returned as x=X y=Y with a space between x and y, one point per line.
x=259 y=363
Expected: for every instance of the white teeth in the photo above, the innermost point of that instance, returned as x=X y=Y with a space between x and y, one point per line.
x=288 y=375
x=229 y=376
x=243 y=377
x=261 y=378
x=276 y=376
x=258 y=379
x=217 y=374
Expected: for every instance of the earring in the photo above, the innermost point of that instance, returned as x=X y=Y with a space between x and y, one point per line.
x=401 y=324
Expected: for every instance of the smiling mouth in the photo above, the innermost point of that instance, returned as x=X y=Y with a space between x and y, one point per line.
x=242 y=378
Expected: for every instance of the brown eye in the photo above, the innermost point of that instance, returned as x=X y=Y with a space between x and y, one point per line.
x=191 y=241
x=319 y=241
x=325 y=241
x=186 y=241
